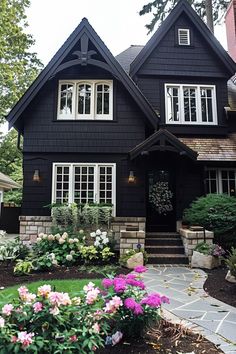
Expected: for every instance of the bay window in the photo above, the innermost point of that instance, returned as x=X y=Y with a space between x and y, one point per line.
x=83 y=183
x=190 y=104
x=90 y=99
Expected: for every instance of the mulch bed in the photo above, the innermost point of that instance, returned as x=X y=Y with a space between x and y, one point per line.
x=217 y=287
x=170 y=340
x=7 y=277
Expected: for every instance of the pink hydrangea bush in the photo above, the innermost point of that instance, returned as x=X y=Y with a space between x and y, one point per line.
x=51 y=321
x=136 y=308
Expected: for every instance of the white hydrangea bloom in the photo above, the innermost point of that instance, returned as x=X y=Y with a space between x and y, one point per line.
x=98 y=232
x=93 y=234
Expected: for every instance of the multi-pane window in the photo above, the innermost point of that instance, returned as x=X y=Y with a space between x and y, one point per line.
x=190 y=104
x=85 y=100
x=221 y=181
x=84 y=183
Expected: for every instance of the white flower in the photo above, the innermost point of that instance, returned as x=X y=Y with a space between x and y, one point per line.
x=41 y=234
x=45 y=237
x=76 y=240
x=93 y=234
x=98 y=239
x=51 y=237
x=96 y=243
x=38 y=239
x=57 y=236
x=54 y=311
x=64 y=235
x=61 y=241
x=104 y=234
x=98 y=232
x=71 y=240
x=54 y=262
x=2 y=322
x=52 y=255
x=69 y=257
x=72 y=252
x=105 y=241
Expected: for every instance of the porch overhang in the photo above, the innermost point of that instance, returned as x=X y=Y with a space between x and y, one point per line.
x=162 y=140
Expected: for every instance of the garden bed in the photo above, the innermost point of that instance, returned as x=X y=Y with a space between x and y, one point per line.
x=219 y=288
x=7 y=277
x=166 y=344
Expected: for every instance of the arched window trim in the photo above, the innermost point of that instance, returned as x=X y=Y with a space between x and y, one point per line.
x=93 y=104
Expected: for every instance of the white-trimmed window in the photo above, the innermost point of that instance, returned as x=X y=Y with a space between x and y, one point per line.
x=183 y=36
x=221 y=181
x=190 y=104
x=84 y=183
x=87 y=99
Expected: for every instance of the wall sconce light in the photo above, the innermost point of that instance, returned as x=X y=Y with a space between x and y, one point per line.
x=36 y=176
x=131 y=178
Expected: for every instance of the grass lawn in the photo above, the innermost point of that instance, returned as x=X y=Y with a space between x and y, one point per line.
x=71 y=286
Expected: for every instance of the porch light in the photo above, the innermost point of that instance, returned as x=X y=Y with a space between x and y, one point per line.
x=131 y=178
x=36 y=176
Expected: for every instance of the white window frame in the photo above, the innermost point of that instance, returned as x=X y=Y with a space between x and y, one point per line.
x=198 y=104
x=188 y=36
x=219 y=188
x=96 y=180
x=1 y=199
x=93 y=113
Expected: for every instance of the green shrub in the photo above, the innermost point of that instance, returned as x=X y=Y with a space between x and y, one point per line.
x=215 y=212
x=210 y=250
x=23 y=267
x=231 y=261
x=13 y=249
x=124 y=258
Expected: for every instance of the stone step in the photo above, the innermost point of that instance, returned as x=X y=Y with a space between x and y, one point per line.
x=163 y=241
x=163 y=235
x=167 y=259
x=165 y=249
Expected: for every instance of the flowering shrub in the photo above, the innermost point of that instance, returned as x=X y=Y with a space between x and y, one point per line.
x=50 y=322
x=210 y=250
x=101 y=239
x=60 y=250
x=132 y=307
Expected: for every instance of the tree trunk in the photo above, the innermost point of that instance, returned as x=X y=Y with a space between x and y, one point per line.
x=209 y=14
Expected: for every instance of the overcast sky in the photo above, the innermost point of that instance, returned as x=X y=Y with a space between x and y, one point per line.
x=117 y=22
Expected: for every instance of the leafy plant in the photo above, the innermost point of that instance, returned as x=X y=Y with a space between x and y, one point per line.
x=210 y=250
x=124 y=258
x=215 y=212
x=13 y=249
x=23 y=267
x=231 y=261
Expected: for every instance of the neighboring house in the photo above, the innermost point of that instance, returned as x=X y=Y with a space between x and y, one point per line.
x=6 y=183
x=103 y=129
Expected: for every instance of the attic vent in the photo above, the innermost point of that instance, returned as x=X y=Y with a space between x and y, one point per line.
x=183 y=36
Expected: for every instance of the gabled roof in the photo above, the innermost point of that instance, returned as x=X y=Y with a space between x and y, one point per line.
x=162 y=140
x=7 y=183
x=126 y=57
x=182 y=7
x=84 y=28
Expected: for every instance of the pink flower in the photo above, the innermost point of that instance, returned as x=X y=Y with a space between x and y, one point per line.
x=13 y=339
x=23 y=291
x=107 y=283
x=92 y=295
x=2 y=322
x=155 y=300
x=140 y=269
x=28 y=298
x=138 y=310
x=165 y=300
x=7 y=309
x=96 y=328
x=73 y=338
x=113 y=304
x=25 y=338
x=136 y=283
x=44 y=290
x=130 y=303
x=119 y=285
x=89 y=286
x=54 y=311
x=58 y=299
x=38 y=306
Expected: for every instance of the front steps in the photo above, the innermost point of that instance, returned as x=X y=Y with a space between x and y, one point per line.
x=165 y=248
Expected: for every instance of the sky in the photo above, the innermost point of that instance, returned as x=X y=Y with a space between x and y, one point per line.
x=117 y=22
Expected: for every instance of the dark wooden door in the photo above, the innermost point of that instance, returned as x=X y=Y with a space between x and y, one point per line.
x=161 y=214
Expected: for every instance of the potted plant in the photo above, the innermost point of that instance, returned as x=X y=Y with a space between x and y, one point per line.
x=207 y=256
x=231 y=263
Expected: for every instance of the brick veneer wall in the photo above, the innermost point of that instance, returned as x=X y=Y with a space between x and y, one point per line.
x=31 y=226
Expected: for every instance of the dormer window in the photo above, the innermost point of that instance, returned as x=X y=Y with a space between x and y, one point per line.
x=183 y=36
x=90 y=99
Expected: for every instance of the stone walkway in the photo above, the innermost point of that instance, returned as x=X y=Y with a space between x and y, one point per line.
x=189 y=302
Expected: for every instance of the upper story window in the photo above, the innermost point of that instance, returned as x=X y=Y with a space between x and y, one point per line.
x=90 y=99
x=183 y=36
x=221 y=181
x=190 y=104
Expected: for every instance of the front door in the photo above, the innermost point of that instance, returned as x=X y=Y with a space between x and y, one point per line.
x=161 y=214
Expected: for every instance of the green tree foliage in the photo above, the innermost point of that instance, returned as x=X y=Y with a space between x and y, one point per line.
x=161 y=9
x=18 y=65
x=11 y=164
x=215 y=212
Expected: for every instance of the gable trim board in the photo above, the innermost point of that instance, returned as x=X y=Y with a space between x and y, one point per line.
x=182 y=7
x=167 y=142
x=83 y=28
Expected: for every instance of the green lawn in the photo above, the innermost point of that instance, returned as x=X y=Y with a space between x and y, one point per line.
x=71 y=286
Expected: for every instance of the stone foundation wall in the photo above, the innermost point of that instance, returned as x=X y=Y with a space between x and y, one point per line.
x=192 y=238
x=128 y=232
x=31 y=226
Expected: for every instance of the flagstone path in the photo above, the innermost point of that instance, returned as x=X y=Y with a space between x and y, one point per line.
x=189 y=302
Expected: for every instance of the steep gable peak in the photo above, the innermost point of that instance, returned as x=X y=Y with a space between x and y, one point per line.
x=183 y=8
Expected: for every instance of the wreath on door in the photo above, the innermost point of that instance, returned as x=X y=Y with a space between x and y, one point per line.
x=160 y=196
